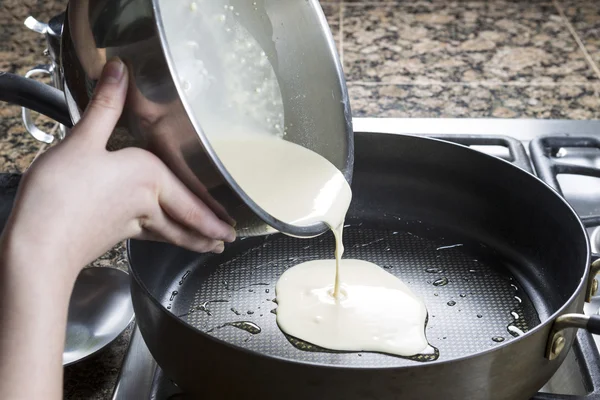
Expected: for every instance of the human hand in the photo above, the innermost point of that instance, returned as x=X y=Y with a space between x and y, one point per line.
x=76 y=202
x=78 y=199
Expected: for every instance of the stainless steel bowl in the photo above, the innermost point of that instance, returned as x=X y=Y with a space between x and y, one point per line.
x=161 y=115
x=100 y=310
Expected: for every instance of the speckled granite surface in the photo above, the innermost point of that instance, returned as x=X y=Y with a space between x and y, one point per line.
x=505 y=59
x=584 y=17
x=435 y=58
x=491 y=42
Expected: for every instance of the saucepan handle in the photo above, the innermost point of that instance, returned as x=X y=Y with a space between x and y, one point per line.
x=557 y=341
x=35 y=96
x=591 y=323
x=592 y=287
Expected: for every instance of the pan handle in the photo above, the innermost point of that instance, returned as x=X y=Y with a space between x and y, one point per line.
x=35 y=96
x=591 y=323
x=592 y=287
x=557 y=341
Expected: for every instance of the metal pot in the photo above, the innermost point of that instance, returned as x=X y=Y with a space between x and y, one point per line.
x=162 y=112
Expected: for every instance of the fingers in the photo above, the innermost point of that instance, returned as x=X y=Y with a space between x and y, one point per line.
x=216 y=207
x=188 y=210
x=106 y=105
x=162 y=228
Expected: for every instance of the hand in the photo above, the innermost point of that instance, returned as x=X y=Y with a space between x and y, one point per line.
x=78 y=199
x=76 y=202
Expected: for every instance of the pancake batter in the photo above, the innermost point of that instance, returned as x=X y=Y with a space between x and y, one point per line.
x=375 y=311
x=359 y=308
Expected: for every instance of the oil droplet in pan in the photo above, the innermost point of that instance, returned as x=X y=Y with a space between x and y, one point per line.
x=247 y=326
x=449 y=247
x=184 y=277
x=440 y=282
x=514 y=331
x=498 y=339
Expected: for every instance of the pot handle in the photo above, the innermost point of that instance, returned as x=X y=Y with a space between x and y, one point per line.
x=591 y=323
x=36 y=96
x=557 y=341
x=592 y=288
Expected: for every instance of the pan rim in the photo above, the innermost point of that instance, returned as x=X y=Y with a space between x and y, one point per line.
x=501 y=347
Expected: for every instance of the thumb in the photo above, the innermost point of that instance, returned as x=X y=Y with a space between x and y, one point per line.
x=106 y=106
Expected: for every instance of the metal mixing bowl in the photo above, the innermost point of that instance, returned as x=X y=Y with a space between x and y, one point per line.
x=169 y=111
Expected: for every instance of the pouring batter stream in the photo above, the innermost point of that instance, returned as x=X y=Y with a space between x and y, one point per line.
x=349 y=306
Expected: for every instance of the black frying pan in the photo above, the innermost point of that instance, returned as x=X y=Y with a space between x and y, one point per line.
x=495 y=253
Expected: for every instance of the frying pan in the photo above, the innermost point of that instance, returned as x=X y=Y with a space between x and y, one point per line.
x=500 y=259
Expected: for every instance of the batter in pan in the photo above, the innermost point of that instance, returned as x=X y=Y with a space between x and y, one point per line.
x=348 y=305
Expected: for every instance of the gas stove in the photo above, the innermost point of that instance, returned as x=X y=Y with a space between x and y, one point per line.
x=565 y=154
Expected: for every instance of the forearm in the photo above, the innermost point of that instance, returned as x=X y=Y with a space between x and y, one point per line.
x=34 y=298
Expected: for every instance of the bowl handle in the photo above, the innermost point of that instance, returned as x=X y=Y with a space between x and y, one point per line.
x=38 y=134
x=35 y=96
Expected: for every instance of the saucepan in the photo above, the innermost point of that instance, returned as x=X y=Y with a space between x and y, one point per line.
x=200 y=70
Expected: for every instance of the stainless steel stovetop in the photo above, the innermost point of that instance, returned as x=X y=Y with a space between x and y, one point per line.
x=579 y=375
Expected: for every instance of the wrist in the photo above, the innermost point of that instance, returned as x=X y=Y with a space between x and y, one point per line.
x=29 y=255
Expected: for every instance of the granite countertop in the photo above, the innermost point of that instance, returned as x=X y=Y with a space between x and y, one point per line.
x=503 y=59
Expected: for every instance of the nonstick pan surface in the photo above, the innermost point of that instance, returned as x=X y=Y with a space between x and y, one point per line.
x=473 y=300
x=511 y=249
